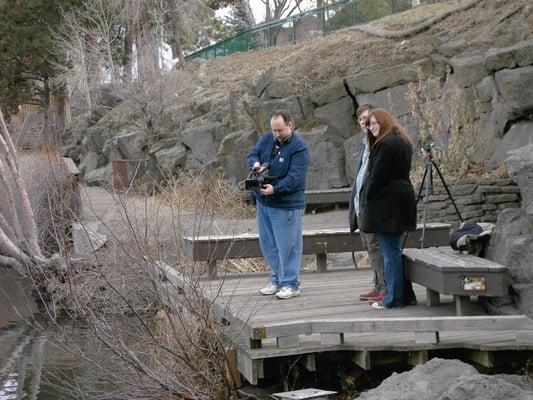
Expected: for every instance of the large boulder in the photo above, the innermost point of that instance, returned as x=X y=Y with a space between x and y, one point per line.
x=372 y=81
x=93 y=139
x=130 y=146
x=290 y=104
x=395 y=99
x=452 y=380
x=232 y=152
x=326 y=169
x=351 y=155
x=512 y=241
x=92 y=161
x=468 y=71
x=516 y=87
x=338 y=116
x=520 y=169
x=100 y=176
x=329 y=93
x=511 y=245
x=201 y=143
x=520 y=54
x=520 y=135
x=168 y=159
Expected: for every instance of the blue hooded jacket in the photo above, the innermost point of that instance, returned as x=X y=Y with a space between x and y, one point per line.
x=288 y=165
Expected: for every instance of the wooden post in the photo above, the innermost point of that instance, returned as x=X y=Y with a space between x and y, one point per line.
x=485 y=358
x=322 y=257
x=310 y=362
x=362 y=359
x=252 y=369
x=212 y=269
x=432 y=298
x=462 y=305
x=321 y=262
x=415 y=358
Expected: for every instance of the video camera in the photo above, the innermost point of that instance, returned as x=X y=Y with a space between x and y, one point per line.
x=255 y=179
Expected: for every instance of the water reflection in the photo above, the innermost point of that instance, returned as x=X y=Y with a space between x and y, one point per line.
x=23 y=351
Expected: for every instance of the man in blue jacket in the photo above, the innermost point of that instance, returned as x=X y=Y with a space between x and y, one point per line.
x=281 y=203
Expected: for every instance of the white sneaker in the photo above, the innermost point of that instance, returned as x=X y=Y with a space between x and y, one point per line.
x=286 y=292
x=269 y=289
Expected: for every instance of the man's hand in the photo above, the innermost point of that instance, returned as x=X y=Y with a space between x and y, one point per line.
x=258 y=167
x=267 y=190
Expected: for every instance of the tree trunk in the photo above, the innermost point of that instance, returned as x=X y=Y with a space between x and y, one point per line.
x=60 y=110
x=147 y=56
x=177 y=48
x=127 y=57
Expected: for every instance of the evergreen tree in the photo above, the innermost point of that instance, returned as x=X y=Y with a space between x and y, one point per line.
x=27 y=57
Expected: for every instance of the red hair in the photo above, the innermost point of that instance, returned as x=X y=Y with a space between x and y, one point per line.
x=387 y=125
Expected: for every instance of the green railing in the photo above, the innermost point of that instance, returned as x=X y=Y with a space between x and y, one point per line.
x=310 y=24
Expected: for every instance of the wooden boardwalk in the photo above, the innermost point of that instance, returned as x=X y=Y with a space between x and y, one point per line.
x=328 y=317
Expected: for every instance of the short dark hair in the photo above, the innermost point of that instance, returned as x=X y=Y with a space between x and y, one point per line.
x=281 y=113
x=365 y=107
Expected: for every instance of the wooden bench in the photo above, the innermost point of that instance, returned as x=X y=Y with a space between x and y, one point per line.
x=444 y=270
x=327 y=197
x=319 y=242
x=324 y=197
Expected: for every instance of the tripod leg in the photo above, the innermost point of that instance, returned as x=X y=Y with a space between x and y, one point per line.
x=422 y=184
x=447 y=191
x=428 y=183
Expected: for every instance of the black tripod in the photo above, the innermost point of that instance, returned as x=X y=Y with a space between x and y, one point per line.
x=427 y=184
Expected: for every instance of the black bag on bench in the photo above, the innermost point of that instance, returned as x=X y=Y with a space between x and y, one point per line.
x=471 y=237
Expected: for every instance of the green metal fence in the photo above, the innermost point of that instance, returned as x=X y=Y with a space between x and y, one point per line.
x=310 y=24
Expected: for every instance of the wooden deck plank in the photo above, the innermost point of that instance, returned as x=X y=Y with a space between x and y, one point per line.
x=328 y=307
x=328 y=304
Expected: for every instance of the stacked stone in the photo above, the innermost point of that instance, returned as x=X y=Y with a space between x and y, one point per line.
x=478 y=200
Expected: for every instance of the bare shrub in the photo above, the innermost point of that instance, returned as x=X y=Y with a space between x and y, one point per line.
x=456 y=145
x=54 y=197
x=160 y=339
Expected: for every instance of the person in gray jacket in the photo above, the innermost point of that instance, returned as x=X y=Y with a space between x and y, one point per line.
x=369 y=240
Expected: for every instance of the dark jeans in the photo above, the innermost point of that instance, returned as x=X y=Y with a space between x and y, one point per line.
x=391 y=249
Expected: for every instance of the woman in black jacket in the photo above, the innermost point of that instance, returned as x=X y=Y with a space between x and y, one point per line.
x=388 y=205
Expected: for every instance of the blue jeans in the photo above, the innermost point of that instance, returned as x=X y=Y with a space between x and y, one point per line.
x=281 y=241
x=391 y=249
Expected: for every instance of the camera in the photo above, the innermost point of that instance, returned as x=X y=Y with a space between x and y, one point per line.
x=255 y=179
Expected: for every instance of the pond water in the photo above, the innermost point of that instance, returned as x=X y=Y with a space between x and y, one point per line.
x=29 y=363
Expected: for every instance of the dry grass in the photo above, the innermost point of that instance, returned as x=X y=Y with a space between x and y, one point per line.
x=456 y=147
x=346 y=52
x=208 y=192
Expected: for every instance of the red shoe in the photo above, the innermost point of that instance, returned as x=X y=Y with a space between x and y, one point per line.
x=377 y=298
x=368 y=296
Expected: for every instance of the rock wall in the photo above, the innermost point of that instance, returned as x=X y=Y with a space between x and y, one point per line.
x=480 y=200
x=512 y=240
x=475 y=107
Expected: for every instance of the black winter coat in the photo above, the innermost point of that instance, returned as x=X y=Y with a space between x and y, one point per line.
x=388 y=199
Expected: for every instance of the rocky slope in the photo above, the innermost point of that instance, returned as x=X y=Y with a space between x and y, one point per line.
x=466 y=83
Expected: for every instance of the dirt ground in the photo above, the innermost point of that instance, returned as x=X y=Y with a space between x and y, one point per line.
x=109 y=208
x=116 y=214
